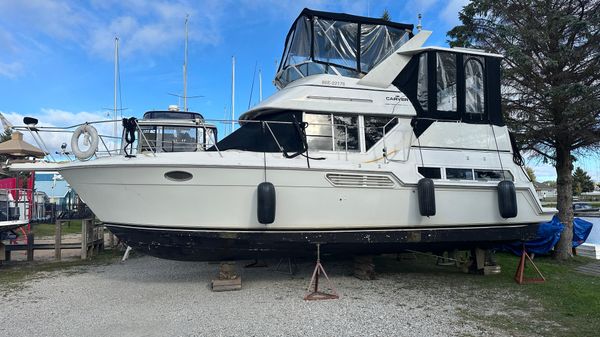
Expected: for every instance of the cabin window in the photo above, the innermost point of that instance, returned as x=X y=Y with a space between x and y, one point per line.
x=446 y=81
x=332 y=132
x=210 y=138
x=148 y=140
x=375 y=126
x=346 y=133
x=492 y=175
x=318 y=132
x=422 y=89
x=474 y=89
x=459 y=174
x=430 y=172
x=179 y=139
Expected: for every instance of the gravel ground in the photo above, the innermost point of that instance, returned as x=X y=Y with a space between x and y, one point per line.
x=152 y=297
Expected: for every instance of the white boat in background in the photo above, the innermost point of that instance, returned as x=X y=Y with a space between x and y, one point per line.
x=373 y=144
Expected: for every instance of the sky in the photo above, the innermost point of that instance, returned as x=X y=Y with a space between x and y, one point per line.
x=57 y=56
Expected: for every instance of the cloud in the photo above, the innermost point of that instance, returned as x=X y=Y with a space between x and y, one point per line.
x=11 y=70
x=449 y=14
x=49 y=117
x=145 y=28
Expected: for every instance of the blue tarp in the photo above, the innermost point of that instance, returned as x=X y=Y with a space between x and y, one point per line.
x=581 y=231
x=548 y=235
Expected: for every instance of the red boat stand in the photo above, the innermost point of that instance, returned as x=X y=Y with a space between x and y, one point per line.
x=315 y=294
x=520 y=274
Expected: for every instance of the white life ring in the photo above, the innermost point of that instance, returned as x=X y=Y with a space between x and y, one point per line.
x=90 y=135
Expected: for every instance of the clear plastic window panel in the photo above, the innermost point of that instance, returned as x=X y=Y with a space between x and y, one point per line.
x=179 y=139
x=474 y=87
x=299 y=49
x=335 y=42
x=422 y=89
x=319 y=131
x=377 y=43
x=446 y=81
x=346 y=133
x=374 y=128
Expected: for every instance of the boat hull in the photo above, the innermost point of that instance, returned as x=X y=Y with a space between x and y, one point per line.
x=222 y=245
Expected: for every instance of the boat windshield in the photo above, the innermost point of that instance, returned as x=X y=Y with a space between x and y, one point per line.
x=340 y=44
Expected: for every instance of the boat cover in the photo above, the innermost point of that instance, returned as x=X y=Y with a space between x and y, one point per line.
x=548 y=235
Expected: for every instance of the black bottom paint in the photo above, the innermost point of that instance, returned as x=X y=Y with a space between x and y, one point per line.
x=214 y=245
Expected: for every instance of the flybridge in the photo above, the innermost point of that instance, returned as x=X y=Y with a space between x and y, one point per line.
x=340 y=44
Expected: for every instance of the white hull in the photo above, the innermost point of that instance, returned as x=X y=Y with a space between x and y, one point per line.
x=224 y=196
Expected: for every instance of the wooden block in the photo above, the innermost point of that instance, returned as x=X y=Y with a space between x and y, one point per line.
x=227 y=285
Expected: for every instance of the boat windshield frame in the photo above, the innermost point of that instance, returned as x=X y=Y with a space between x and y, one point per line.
x=341 y=44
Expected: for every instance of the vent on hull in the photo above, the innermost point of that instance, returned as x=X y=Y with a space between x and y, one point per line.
x=359 y=180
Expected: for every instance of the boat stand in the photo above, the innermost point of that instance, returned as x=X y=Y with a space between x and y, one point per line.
x=315 y=294
x=520 y=274
x=227 y=280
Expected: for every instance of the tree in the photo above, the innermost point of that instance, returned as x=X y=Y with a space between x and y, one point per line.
x=551 y=79
x=531 y=173
x=582 y=182
x=386 y=15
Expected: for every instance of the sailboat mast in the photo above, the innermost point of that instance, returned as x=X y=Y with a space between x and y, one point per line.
x=115 y=109
x=260 y=85
x=185 y=57
x=232 y=93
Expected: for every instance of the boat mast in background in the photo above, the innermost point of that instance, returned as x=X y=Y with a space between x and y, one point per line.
x=185 y=56
x=115 y=109
x=232 y=93
x=259 y=85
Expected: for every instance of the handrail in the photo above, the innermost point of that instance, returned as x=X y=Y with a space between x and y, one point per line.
x=208 y=140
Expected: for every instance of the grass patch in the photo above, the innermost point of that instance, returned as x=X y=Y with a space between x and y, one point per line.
x=46 y=229
x=12 y=276
x=568 y=298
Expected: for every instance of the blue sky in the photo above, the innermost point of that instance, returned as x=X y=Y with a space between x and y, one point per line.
x=56 y=57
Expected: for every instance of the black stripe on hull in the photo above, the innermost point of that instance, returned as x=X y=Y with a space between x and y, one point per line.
x=221 y=245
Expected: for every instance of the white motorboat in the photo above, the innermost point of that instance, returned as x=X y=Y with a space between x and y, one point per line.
x=372 y=144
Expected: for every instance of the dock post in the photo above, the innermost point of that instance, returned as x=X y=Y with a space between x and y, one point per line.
x=86 y=232
x=30 y=245
x=2 y=253
x=58 y=240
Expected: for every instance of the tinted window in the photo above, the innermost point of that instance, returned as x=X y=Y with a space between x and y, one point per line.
x=374 y=128
x=494 y=175
x=148 y=140
x=430 y=172
x=319 y=133
x=459 y=174
x=179 y=139
x=346 y=133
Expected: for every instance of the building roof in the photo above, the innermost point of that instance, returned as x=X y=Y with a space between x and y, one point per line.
x=17 y=147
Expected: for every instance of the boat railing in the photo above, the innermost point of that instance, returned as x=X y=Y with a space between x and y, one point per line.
x=111 y=145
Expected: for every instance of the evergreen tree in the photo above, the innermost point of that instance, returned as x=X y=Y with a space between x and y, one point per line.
x=582 y=182
x=531 y=173
x=551 y=79
x=386 y=15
